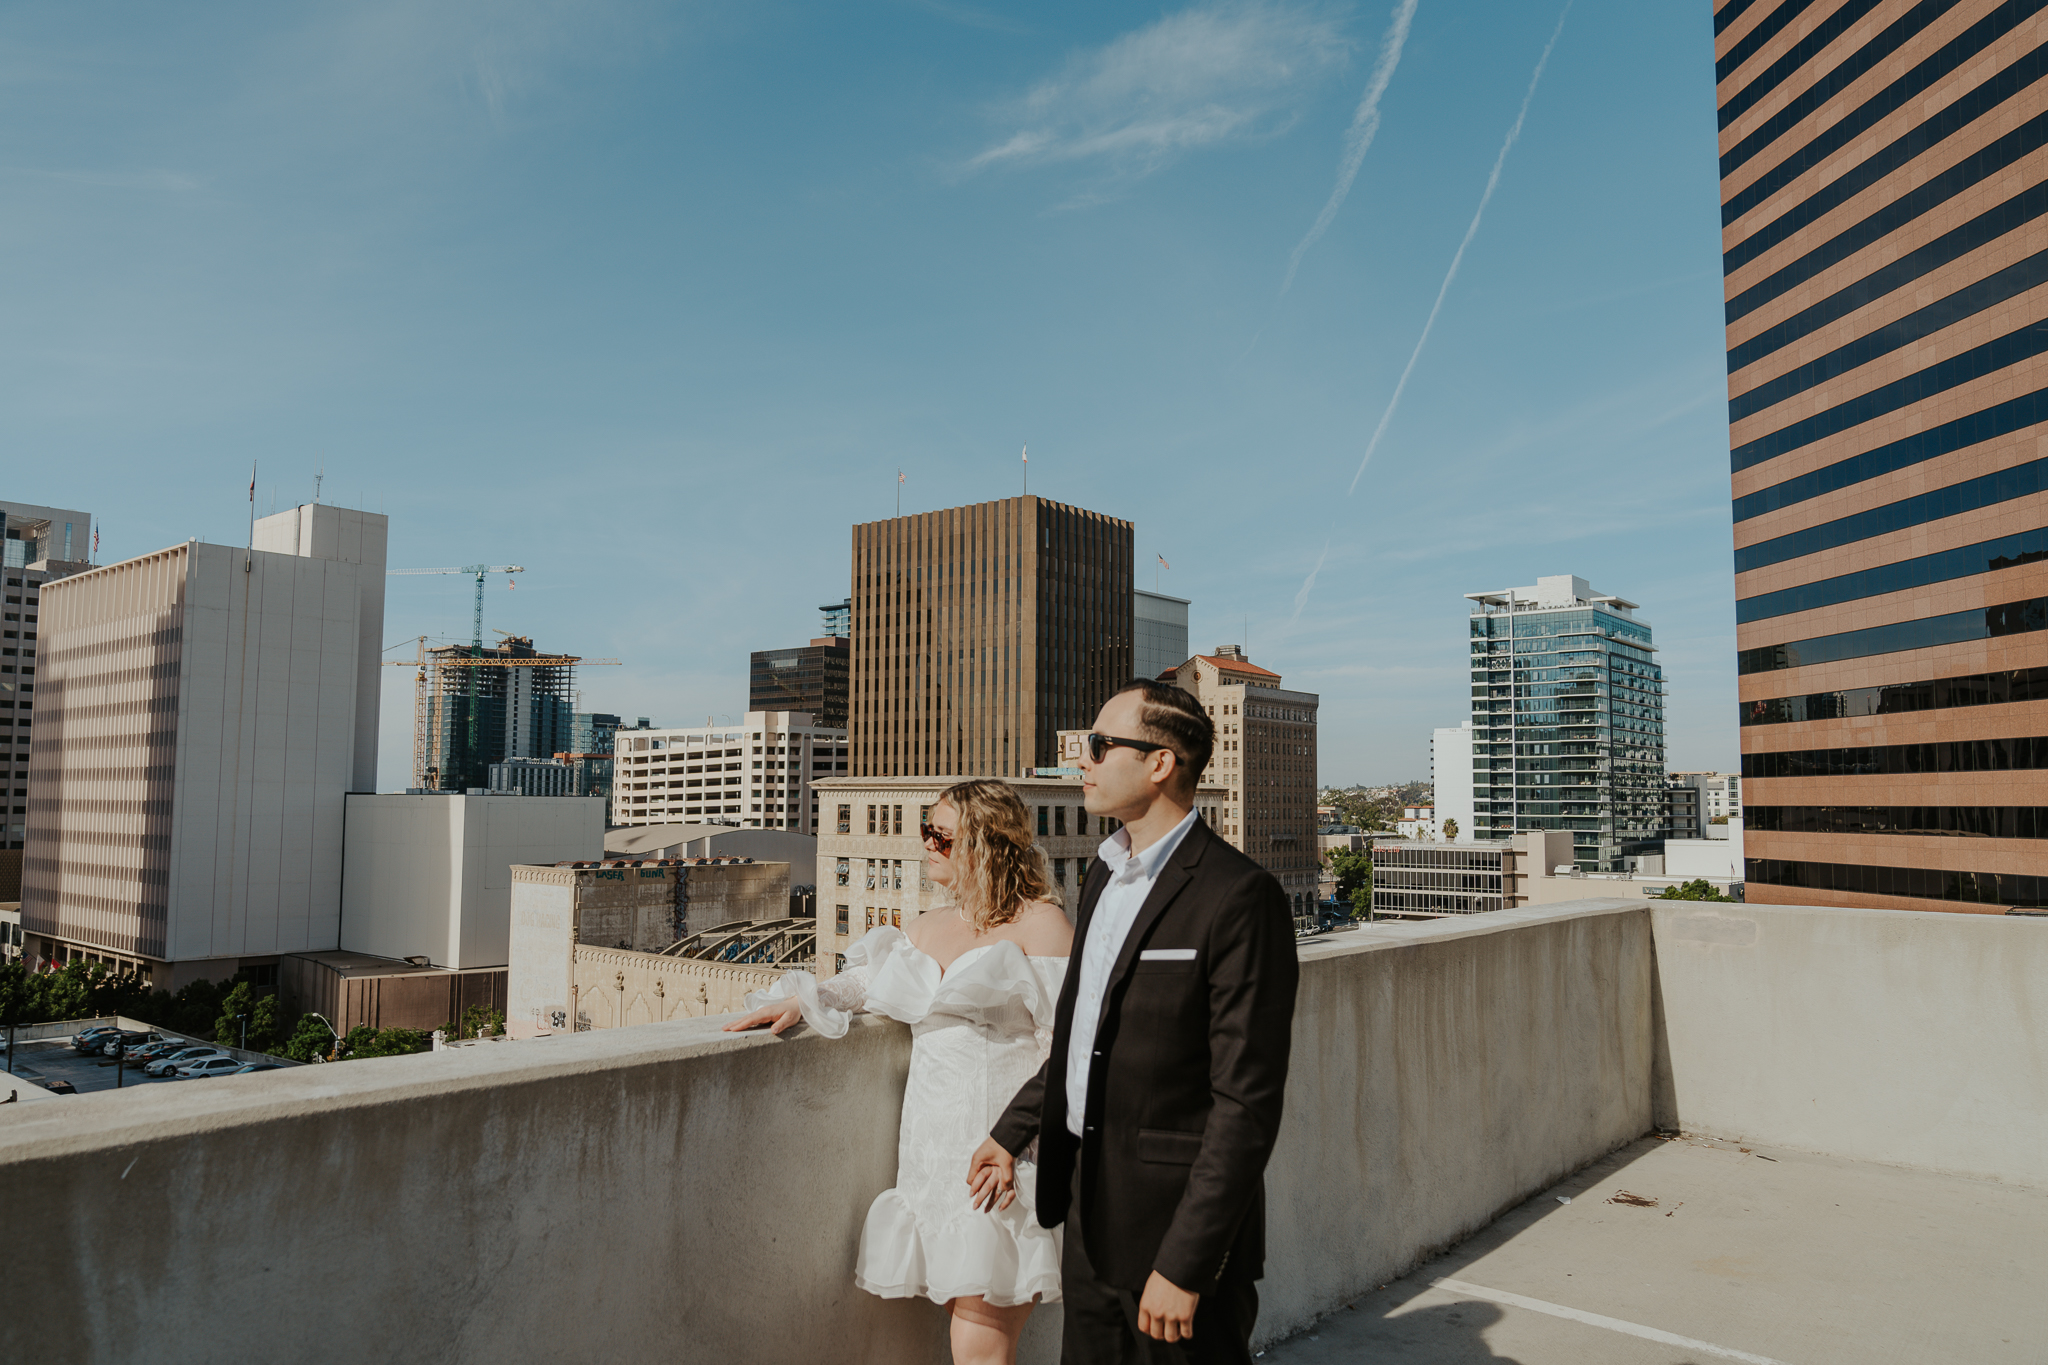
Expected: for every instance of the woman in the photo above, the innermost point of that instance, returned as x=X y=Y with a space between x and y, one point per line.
x=976 y=981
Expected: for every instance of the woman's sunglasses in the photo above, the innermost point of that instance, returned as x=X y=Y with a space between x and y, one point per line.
x=1098 y=745
x=938 y=841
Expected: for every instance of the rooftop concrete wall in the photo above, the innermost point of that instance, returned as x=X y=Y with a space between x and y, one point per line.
x=632 y=1190
x=1909 y=1037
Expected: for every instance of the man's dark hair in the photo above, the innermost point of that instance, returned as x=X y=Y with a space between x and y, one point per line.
x=1173 y=716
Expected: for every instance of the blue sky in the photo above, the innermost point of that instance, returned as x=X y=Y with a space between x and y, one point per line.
x=655 y=300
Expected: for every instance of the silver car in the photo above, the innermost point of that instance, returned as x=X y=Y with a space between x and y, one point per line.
x=169 y=1062
x=207 y=1066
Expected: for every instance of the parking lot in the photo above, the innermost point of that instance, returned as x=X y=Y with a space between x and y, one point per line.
x=53 y=1059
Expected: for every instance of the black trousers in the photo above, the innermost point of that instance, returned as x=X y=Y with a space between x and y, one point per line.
x=1102 y=1319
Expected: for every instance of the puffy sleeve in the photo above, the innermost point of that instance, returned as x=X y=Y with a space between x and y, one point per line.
x=829 y=1006
x=1052 y=974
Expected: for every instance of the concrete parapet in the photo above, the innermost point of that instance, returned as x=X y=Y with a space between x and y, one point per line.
x=679 y=1192
x=1917 y=1038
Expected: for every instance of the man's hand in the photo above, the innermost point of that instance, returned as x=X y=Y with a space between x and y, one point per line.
x=991 y=1177
x=1166 y=1312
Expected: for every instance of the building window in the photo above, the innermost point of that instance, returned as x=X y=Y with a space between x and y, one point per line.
x=1041 y=820
x=1059 y=871
x=840 y=915
x=846 y=819
x=1059 y=819
x=842 y=871
x=871 y=917
x=871 y=819
x=896 y=878
x=899 y=819
x=870 y=867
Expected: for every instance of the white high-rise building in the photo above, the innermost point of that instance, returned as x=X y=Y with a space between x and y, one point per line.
x=1450 y=776
x=755 y=775
x=200 y=715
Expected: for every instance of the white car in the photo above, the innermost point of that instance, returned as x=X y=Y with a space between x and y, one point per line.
x=165 y=1065
x=207 y=1066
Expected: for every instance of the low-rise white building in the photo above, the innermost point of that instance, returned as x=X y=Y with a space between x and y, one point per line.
x=755 y=775
x=1720 y=794
x=430 y=875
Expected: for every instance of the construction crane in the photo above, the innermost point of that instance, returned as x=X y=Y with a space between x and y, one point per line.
x=428 y=684
x=476 y=632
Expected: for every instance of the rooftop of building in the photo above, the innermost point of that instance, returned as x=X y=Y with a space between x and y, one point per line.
x=1786 y=1134
x=1550 y=594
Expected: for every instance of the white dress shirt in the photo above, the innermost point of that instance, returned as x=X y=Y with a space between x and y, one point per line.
x=1116 y=909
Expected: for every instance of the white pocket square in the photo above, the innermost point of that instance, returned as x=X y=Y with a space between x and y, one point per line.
x=1167 y=955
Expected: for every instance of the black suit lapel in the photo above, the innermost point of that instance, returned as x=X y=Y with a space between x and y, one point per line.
x=1172 y=880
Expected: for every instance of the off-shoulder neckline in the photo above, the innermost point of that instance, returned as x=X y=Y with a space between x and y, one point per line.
x=946 y=968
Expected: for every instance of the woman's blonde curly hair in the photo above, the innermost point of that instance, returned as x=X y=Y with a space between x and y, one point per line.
x=1002 y=870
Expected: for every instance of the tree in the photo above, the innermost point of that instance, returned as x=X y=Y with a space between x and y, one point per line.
x=1353 y=870
x=227 y=1029
x=363 y=1041
x=309 y=1040
x=1698 y=889
x=1450 y=831
x=474 y=1018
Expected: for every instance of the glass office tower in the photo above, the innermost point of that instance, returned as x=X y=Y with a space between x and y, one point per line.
x=1567 y=721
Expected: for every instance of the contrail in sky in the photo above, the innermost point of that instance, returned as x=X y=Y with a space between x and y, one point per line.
x=1365 y=124
x=1471 y=231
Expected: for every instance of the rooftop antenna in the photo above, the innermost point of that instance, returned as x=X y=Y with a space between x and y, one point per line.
x=319 y=479
x=249 y=559
x=1027 y=471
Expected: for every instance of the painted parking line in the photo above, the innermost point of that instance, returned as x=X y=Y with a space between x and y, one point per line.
x=1633 y=1329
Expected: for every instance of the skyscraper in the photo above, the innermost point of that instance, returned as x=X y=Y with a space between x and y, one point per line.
x=811 y=678
x=1567 y=720
x=201 y=714
x=1882 y=209
x=1160 y=641
x=980 y=632
x=521 y=711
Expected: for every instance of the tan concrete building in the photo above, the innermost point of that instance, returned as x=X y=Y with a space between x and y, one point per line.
x=1264 y=767
x=979 y=633
x=586 y=940
x=1882 y=210
x=871 y=858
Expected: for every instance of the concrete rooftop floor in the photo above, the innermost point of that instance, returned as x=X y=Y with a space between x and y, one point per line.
x=1760 y=1255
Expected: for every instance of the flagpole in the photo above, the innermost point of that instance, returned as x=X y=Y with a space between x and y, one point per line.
x=1027 y=471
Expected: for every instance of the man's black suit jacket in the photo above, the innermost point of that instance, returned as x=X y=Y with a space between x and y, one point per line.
x=1185 y=1087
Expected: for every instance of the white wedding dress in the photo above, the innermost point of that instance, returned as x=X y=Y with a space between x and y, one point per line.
x=979 y=1030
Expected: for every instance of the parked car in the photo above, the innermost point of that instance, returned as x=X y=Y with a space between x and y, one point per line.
x=126 y=1039
x=253 y=1066
x=149 y=1052
x=90 y=1039
x=207 y=1066
x=171 y=1061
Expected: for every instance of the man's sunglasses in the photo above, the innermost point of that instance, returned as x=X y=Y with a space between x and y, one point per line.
x=937 y=840
x=1098 y=745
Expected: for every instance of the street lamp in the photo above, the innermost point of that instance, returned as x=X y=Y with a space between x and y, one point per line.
x=315 y=1014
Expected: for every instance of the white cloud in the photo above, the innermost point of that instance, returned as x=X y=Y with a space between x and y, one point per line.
x=1211 y=74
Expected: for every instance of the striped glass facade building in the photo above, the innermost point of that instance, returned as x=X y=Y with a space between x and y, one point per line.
x=1567 y=721
x=1884 y=174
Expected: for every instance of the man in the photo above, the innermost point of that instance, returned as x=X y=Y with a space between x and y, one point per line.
x=1158 y=1107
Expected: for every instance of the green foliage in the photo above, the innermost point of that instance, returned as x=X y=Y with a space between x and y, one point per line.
x=79 y=990
x=309 y=1040
x=1450 y=831
x=474 y=1018
x=363 y=1041
x=1353 y=870
x=1698 y=889
x=1718 y=820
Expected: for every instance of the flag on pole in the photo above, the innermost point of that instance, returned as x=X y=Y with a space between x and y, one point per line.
x=1162 y=561
x=899 y=476
x=252 y=488
x=1027 y=454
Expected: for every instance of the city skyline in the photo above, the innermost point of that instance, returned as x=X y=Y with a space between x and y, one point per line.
x=479 y=264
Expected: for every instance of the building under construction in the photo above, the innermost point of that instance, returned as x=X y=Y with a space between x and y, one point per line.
x=476 y=709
